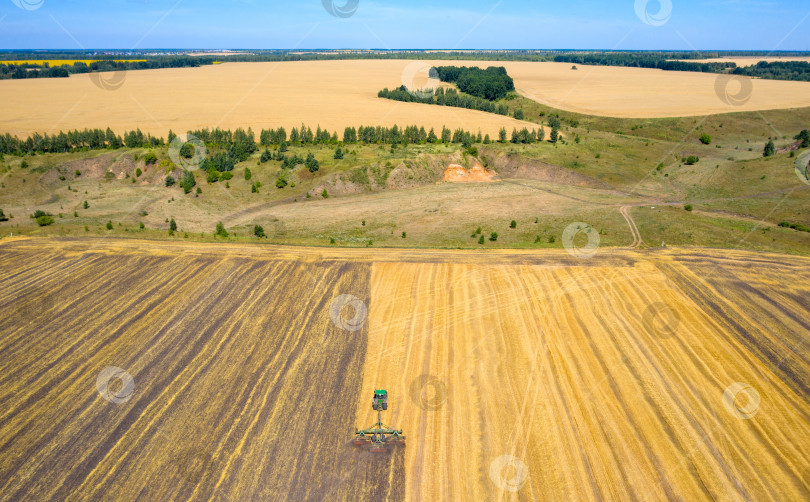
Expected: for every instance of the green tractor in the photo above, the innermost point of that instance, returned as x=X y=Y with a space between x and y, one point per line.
x=379 y=435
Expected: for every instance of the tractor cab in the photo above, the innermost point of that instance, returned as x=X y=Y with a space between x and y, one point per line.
x=380 y=400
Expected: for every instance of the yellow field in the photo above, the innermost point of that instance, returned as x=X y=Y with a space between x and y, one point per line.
x=515 y=375
x=336 y=94
x=60 y=62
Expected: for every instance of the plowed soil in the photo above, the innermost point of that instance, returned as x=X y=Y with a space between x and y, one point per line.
x=598 y=378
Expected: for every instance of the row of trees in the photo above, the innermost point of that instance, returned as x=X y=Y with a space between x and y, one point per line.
x=449 y=97
x=777 y=70
x=491 y=84
x=72 y=141
x=42 y=69
x=659 y=60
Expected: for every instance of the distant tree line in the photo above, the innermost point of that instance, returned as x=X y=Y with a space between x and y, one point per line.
x=448 y=97
x=42 y=69
x=491 y=84
x=777 y=70
x=658 y=60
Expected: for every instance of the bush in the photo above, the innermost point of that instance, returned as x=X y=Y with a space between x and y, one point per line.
x=248 y=174
x=692 y=160
x=281 y=182
x=188 y=182
x=77 y=173
x=481 y=240
x=24 y=164
x=705 y=139
x=266 y=155
x=141 y=225
x=44 y=220
x=325 y=195
x=3 y=216
x=338 y=153
x=494 y=236
x=149 y=158
x=109 y=225
x=169 y=181
x=770 y=149
x=138 y=172
x=404 y=235
x=688 y=207
x=551 y=240
x=85 y=204
x=518 y=114
x=258 y=231
x=513 y=224
x=220 y=231
x=172 y=225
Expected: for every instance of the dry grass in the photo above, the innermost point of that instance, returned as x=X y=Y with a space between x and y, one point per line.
x=245 y=389
x=336 y=94
x=747 y=60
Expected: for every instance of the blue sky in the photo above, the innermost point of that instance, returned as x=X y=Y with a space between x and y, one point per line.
x=472 y=24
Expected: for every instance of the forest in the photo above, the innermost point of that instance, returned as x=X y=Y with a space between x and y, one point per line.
x=490 y=84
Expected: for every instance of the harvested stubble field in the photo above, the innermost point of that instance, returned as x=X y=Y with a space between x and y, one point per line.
x=336 y=94
x=600 y=378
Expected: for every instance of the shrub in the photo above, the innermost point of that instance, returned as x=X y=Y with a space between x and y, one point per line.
x=248 y=174
x=258 y=231
x=109 y=225
x=518 y=114
x=149 y=158
x=513 y=224
x=688 y=207
x=172 y=225
x=24 y=164
x=44 y=220
x=705 y=139
x=325 y=194
x=692 y=160
x=338 y=153
x=551 y=240
x=77 y=173
x=141 y=225
x=332 y=240
x=138 y=172
x=188 y=182
x=85 y=204
x=266 y=155
x=169 y=181
x=220 y=231
x=770 y=149
x=481 y=240
x=494 y=236
x=281 y=182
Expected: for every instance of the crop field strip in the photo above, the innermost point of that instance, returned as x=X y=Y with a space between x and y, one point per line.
x=243 y=386
x=556 y=366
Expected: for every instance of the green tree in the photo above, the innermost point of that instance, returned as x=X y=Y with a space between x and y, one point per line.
x=248 y=174
x=324 y=194
x=109 y=225
x=688 y=207
x=481 y=240
x=138 y=172
x=172 y=225
x=338 y=153
x=85 y=204
x=494 y=236
x=513 y=224
x=692 y=160
x=551 y=240
x=3 y=216
x=149 y=158
x=188 y=181
x=312 y=163
x=770 y=149
x=804 y=138
x=258 y=231
x=169 y=180
x=519 y=114
x=705 y=139
x=220 y=231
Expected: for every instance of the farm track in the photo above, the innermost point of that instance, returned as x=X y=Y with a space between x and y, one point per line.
x=602 y=377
